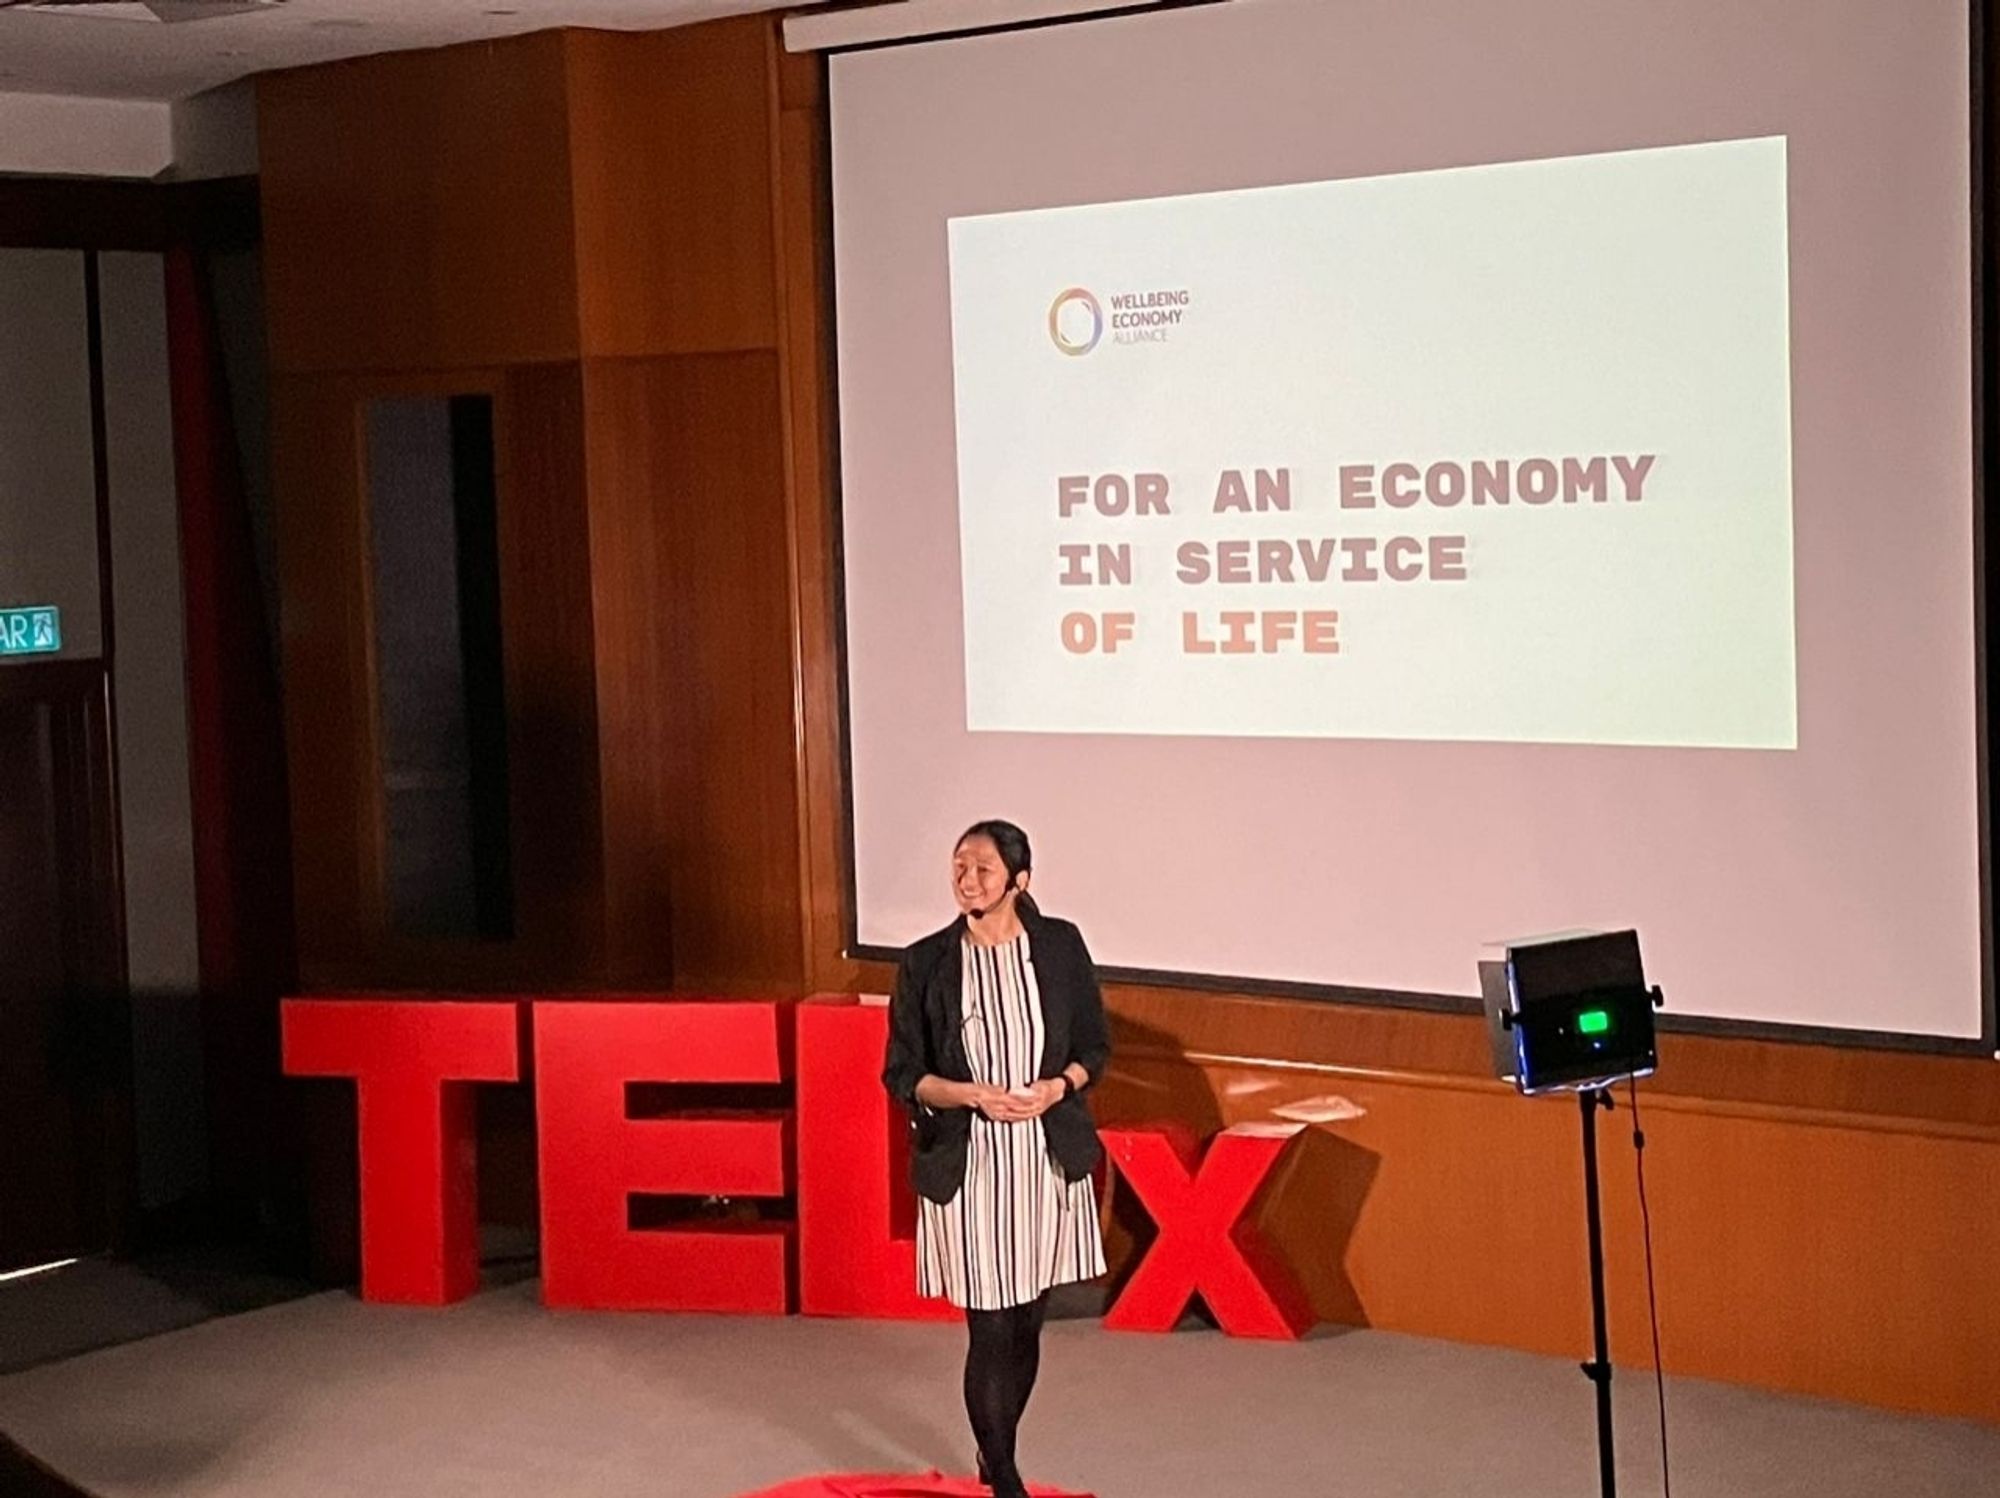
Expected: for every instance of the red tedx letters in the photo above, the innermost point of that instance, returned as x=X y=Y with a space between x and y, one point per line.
x=841 y=1149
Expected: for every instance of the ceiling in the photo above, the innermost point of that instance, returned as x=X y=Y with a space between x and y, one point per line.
x=121 y=51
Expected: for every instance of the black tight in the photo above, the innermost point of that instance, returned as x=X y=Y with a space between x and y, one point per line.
x=1000 y=1367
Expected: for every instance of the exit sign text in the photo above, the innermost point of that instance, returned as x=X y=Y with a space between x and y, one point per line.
x=31 y=631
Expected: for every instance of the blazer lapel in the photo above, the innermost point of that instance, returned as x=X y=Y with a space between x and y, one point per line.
x=1055 y=1030
x=949 y=984
x=1054 y=995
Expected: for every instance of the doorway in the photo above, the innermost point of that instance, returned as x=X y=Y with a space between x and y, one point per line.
x=63 y=1060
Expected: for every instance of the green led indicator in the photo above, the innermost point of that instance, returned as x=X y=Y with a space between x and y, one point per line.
x=1593 y=1022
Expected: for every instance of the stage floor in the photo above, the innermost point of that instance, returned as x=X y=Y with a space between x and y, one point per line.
x=497 y=1397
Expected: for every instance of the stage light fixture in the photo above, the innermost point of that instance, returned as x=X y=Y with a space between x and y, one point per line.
x=1569 y=1012
x=1573 y=1013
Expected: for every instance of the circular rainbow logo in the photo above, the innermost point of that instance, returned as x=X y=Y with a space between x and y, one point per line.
x=1076 y=296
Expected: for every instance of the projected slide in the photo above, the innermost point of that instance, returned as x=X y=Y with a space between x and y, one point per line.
x=1345 y=520
x=1494 y=453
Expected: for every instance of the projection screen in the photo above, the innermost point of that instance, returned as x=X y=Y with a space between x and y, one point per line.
x=1359 y=480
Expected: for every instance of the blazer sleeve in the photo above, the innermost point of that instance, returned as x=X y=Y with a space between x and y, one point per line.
x=1090 y=1036
x=906 y=1060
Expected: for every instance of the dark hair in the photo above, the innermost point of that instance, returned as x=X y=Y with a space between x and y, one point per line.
x=1015 y=855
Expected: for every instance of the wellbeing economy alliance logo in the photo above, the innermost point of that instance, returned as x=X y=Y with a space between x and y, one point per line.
x=1077 y=320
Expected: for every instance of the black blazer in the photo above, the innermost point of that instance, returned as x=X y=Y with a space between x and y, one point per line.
x=926 y=1018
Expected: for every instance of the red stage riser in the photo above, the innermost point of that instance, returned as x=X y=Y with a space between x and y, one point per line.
x=415 y=1061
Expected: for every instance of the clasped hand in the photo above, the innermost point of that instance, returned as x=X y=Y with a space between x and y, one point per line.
x=1002 y=1106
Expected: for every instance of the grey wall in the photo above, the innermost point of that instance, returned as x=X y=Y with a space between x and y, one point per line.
x=48 y=501
x=49 y=554
x=150 y=683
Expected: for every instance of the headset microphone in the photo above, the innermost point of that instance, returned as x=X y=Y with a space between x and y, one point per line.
x=981 y=912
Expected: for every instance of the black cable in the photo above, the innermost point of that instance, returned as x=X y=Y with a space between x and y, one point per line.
x=1652 y=1293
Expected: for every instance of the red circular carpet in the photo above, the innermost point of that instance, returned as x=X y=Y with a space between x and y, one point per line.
x=927 y=1485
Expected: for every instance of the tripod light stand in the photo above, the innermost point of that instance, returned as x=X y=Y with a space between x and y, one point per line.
x=1572 y=1013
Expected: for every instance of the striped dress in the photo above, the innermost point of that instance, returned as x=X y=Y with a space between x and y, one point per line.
x=1016 y=1227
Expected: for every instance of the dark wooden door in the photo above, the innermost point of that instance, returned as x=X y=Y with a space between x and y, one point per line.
x=62 y=1056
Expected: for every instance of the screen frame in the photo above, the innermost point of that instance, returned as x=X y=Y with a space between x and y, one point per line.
x=1985 y=384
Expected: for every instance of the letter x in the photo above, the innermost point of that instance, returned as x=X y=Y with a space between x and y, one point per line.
x=1204 y=1245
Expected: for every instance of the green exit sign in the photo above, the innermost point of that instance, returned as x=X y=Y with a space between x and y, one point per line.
x=34 y=631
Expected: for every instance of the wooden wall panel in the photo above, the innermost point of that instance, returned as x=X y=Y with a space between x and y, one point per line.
x=553 y=729
x=1837 y=1080
x=1915 y=1088
x=417 y=209
x=330 y=665
x=670 y=144
x=691 y=581
x=490 y=210
x=316 y=476
x=805 y=218
x=1792 y=1252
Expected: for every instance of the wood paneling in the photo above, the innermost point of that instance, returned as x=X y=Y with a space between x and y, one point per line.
x=422 y=221
x=1797 y=1253
x=801 y=83
x=554 y=735
x=670 y=147
x=805 y=217
x=690 y=576
x=417 y=209
x=1842 y=1080
x=330 y=666
x=316 y=476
